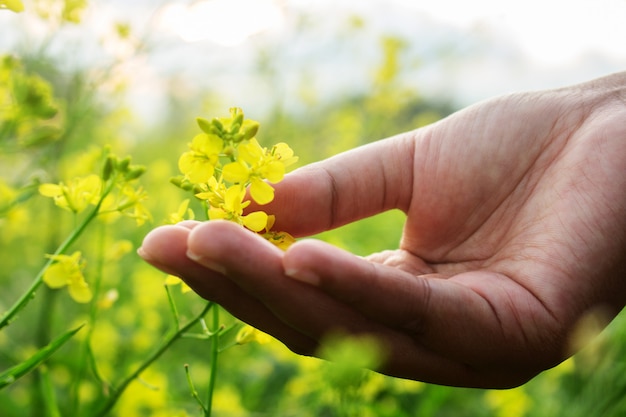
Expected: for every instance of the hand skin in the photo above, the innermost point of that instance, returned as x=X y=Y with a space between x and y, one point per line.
x=516 y=228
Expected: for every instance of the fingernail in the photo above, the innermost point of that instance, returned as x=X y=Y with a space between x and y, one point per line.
x=305 y=276
x=207 y=263
x=143 y=254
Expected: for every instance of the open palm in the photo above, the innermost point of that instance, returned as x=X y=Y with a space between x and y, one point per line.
x=516 y=227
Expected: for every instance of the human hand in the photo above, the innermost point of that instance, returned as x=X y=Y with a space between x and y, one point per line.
x=516 y=227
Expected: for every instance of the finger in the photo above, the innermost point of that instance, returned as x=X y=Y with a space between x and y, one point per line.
x=256 y=267
x=350 y=186
x=448 y=316
x=166 y=249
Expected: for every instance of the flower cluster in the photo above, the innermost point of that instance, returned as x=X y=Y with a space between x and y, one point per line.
x=106 y=196
x=227 y=168
x=112 y=191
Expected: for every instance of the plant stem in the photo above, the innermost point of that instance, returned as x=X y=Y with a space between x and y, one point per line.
x=214 y=355
x=93 y=312
x=8 y=317
x=30 y=293
x=117 y=392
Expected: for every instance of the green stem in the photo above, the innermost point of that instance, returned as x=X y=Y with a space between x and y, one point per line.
x=48 y=394
x=194 y=392
x=172 y=307
x=8 y=317
x=117 y=393
x=93 y=312
x=214 y=355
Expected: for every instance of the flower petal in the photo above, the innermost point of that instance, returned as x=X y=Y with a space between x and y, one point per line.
x=80 y=292
x=255 y=221
x=236 y=172
x=261 y=192
x=274 y=171
x=56 y=276
x=50 y=190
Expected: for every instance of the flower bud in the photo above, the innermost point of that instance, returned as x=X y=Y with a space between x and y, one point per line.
x=249 y=129
x=217 y=125
x=134 y=172
x=123 y=164
x=204 y=124
x=109 y=167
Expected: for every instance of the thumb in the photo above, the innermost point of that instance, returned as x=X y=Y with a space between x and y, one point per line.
x=349 y=186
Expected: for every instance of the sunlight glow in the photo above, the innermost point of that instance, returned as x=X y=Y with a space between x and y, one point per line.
x=549 y=32
x=225 y=22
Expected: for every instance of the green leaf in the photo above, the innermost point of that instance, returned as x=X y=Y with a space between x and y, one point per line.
x=13 y=374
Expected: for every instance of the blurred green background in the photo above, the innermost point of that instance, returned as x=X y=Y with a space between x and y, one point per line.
x=78 y=75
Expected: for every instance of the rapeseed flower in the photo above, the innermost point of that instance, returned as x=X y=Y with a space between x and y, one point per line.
x=131 y=204
x=67 y=270
x=127 y=201
x=174 y=280
x=75 y=196
x=212 y=192
x=198 y=164
x=282 y=240
x=232 y=209
x=183 y=213
x=256 y=164
x=249 y=334
x=14 y=5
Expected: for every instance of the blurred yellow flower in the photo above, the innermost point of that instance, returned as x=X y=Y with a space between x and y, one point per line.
x=198 y=164
x=131 y=204
x=118 y=249
x=249 y=334
x=232 y=209
x=76 y=195
x=509 y=403
x=108 y=299
x=128 y=202
x=68 y=271
x=174 y=280
x=183 y=213
x=14 y=5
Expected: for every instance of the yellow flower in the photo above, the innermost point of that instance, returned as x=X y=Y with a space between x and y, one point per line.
x=108 y=299
x=213 y=192
x=174 y=280
x=198 y=164
x=68 y=271
x=256 y=164
x=510 y=403
x=282 y=240
x=131 y=204
x=14 y=5
x=182 y=212
x=118 y=249
x=75 y=196
x=232 y=209
x=249 y=334
x=128 y=202
x=7 y=197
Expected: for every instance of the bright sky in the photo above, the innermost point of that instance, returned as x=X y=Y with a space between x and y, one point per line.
x=550 y=31
x=225 y=22
x=505 y=45
x=569 y=38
